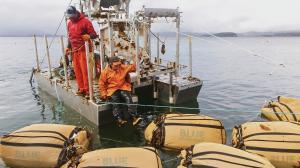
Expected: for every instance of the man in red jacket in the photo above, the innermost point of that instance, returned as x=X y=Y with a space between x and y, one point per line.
x=80 y=29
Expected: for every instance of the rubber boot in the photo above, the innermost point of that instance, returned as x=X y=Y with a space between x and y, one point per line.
x=136 y=120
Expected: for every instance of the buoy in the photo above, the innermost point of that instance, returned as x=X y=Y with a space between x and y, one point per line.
x=284 y=109
x=163 y=48
x=218 y=155
x=179 y=131
x=146 y=157
x=43 y=145
x=278 y=141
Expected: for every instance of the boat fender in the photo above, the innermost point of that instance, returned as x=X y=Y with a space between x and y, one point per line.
x=163 y=48
x=278 y=141
x=43 y=145
x=284 y=109
x=219 y=155
x=145 y=157
x=179 y=131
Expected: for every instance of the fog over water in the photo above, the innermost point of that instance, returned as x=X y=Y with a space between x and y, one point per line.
x=42 y=17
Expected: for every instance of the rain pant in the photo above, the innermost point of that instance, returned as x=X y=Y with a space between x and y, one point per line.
x=80 y=68
x=122 y=96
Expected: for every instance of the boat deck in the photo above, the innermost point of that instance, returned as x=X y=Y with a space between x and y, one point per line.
x=98 y=112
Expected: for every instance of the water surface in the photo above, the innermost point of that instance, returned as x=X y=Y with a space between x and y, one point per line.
x=236 y=84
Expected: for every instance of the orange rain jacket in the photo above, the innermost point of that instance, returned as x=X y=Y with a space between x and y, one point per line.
x=111 y=81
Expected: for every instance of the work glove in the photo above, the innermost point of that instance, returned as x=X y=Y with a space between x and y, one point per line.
x=86 y=37
x=67 y=51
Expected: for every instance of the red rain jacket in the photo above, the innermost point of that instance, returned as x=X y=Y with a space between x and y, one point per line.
x=77 y=29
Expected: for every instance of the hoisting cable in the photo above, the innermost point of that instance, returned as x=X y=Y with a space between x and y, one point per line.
x=163 y=42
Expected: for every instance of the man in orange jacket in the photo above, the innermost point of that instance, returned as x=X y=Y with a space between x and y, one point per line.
x=114 y=87
x=80 y=29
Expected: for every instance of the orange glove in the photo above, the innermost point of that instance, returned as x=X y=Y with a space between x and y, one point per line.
x=86 y=37
x=67 y=51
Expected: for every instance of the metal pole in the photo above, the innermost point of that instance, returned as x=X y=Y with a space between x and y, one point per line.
x=155 y=91
x=93 y=61
x=89 y=9
x=64 y=61
x=146 y=40
x=171 y=98
x=36 y=54
x=190 y=57
x=157 y=60
x=101 y=49
x=87 y=53
x=149 y=41
x=48 y=56
x=67 y=30
x=137 y=58
x=110 y=36
x=80 y=6
x=177 y=43
x=127 y=9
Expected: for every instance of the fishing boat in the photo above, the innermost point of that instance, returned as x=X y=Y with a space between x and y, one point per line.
x=130 y=38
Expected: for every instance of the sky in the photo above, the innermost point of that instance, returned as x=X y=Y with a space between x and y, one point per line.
x=25 y=17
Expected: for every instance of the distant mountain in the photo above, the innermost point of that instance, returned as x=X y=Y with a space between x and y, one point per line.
x=226 y=34
x=200 y=34
x=233 y=34
x=271 y=34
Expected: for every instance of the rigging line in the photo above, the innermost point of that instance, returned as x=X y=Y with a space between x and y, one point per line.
x=200 y=38
x=157 y=37
x=269 y=61
x=56 y=31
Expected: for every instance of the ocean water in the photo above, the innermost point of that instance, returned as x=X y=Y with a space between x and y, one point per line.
x=239 y=75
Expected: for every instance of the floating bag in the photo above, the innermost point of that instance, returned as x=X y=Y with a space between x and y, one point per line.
x=179 y=131
x=278 y=141
x=43 y=145
x=284 y=109
x=118 y=157
x=218 y=155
